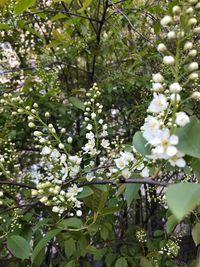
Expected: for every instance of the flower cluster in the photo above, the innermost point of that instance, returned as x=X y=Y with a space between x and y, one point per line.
x=165 y=108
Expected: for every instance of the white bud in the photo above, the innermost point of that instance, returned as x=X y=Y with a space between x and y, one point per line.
x=188 y=46
x=192 y=21
x=31 y=125
x=175 y=98
x=182 y=119
x=175 y=88
x=176 y=10
x=171 y=35
x=193 y=2
x=169 y=60
x=79 y=213
x=193 y=76
x=34 y=192
x=193 y=66
x=93 y=115
x=157 y=87
x=189 y=11
x=37 y=133
x=35 y=105
x=166 y=21
x=47 y=114
x=196 y=96
x=69 y=139
x=162 y=48
x=196 y=30
x=61 y=146
x=56 y=209
x=192 y=53
x=63 y=130
x=197 y=6
x=158 y=78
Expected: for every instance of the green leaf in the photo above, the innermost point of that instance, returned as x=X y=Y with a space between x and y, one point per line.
x=131 y=192
x=171 y=223
x=18 y=246
x=87 y=191
x=189 y=139
x=58 y=16
x=70 y=247
x=121 y=262
x=22 y=5
x=3 y=3
x=42 y=243
x=140 y=144
x=77 y=103
x=144 y=262
x=71 y=264
x=86 y=3
x=182 y=198
x=4 y=26
x=110 y=257
x=195 y=163
x=196 y=234
x=71 y=223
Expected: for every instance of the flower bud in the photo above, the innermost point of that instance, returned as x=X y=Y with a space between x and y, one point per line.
x=197 y=6
x=196 y=96
x=69 y=139
x=61 y=146
x=171 y=35
x=193 y=2
x=175 y=98
x=192 y=21
x=189 y=11
x=158 y=78
x=193 y=76
x=162 y=48
x=176 y=10
x=157 y=87
x=196 y=30
x=169 y=60
x=188 y=46
x=175 y=88
x=192 y=53
x=193 y=66
x=166 y=21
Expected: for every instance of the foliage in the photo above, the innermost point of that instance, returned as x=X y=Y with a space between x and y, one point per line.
x=99 y=123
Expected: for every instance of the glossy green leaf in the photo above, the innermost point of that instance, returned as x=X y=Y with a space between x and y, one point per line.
x=87 y=191
x=140 y=144
x=196 y=234
x=18 y=246
x=189 y=139
x=131 y=192
x=121 y=262
x=182 y=198
x=71 y=223
x=22 y=5
x=71 y=264
x=70 y=247
x=42 y=243
x=144 y=262
x=77 y=103
x=171 y=223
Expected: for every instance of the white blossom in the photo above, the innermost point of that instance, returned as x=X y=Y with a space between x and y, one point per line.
x=158 y=104
x=175 y=88
x=182 y=119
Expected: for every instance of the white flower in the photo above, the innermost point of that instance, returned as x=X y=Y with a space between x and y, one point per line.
x=90 y=135
x=105 y=143
x=121 y=163
x=158 y=78
x=188 y=45
x=75 y=159
x=73 y=191
x=93 y=115
x=89 y=127
x=158 y=104
x=90 y=176
x=1 y=193
x=162 y=48
x=182 y=119
x=171 y=35
x=193 y=66
x=169 y=60
x=126 y=173
x=74 y=171
x=127 y=156
x=55 y=154
x=175 y=88
x=56 y=209
x=177 y=160
x=166 y=21
x=151 y=124
x=46 y=150
x=145 y=172
x=157 y=87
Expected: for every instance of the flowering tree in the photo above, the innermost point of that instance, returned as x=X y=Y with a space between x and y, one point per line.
x=100 y=151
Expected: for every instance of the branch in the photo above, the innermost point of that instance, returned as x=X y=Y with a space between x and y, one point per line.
x=12 y=183
x=19 y=207
x=128 y=181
